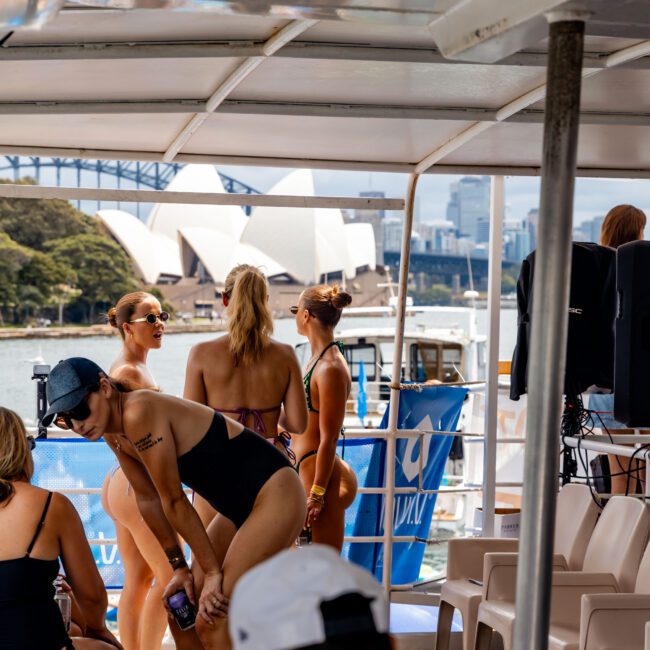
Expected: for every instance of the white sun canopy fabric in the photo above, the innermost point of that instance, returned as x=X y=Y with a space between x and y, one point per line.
x=204 y=87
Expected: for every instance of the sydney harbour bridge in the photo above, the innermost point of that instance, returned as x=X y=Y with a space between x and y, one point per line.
x=102 y=173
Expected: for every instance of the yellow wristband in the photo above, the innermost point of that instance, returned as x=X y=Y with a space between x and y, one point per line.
x=318 y=490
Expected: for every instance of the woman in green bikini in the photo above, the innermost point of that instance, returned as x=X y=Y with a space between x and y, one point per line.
x=330 y=483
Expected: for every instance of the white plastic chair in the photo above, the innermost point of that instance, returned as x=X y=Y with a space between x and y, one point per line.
x=611 y=565
x=575 y=520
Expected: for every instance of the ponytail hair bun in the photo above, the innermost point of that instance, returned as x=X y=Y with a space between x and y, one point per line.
x=124 y=310
x=111 y=317
x=339 y=299
x=326 y=303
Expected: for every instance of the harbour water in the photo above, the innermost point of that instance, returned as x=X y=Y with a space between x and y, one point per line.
x=17 y=357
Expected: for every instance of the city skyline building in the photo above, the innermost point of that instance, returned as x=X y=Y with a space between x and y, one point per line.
x=532 y=219
x=469 y=204
x=589 y=230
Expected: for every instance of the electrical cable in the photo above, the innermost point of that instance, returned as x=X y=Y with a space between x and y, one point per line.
x=579 y=422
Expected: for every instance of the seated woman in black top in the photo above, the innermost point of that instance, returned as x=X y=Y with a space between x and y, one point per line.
x=163 y=441
x=44 y=527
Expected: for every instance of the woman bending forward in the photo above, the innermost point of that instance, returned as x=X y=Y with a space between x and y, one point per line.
x=239 y=473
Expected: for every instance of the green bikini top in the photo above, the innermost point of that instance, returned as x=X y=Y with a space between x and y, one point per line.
x=307 y=378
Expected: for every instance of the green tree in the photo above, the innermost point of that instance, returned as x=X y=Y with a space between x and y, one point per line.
x=62 y=295
x=509 y=280
x=103 y=269
x=12 y=258
x=30 y=301
x=437 y=294
x=34 y=222
x=43 y=272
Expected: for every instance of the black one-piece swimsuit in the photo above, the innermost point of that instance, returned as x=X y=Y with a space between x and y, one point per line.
x=229 y=472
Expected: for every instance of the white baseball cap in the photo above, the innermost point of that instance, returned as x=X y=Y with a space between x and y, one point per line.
x=278 y=605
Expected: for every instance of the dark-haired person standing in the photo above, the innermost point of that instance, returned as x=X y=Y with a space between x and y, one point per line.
x=329 y=482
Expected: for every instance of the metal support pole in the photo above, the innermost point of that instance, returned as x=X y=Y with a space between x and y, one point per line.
x=78 y=181
x=492 y=387
x=549 y=331
x=391 y=439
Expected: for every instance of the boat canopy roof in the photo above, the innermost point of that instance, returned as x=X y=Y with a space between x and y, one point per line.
x=290 y=91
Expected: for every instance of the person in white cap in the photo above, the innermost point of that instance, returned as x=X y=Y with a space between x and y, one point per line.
x=308 y=599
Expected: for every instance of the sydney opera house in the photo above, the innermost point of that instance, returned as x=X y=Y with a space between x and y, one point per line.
x=206 y=241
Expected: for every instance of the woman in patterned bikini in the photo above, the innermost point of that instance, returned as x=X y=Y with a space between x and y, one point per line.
x=246 y=375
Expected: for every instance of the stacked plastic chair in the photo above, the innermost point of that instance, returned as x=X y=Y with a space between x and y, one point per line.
x=575 y=520
x=610 y=566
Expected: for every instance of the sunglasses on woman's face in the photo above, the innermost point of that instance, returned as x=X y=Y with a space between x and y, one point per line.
x=80 y=412
x=31 y=443
x=152 y=318
x=294 y=310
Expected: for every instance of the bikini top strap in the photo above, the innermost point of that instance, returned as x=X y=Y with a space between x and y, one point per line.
x=243 y=412
x=40 y=524
x=307 y=378
x=338 y=344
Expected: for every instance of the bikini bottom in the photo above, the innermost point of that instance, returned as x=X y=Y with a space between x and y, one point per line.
x=313 y=452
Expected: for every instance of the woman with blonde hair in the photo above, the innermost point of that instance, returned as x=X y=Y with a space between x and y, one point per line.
x=329 y=482
x=45 y=529
x=623 y=224
x=246 y=374
x=141 y=617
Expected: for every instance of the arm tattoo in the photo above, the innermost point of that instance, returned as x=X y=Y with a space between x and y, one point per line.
x=147 y=442
x=176 y=558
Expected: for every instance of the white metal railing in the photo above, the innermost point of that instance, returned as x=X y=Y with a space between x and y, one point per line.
x=593 y=442
x=641 y=452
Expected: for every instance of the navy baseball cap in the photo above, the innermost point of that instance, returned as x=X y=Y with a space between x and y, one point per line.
x=69 y=382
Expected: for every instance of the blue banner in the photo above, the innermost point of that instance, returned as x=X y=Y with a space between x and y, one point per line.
x=434 y=408
x=78 y=465
x=362 y=397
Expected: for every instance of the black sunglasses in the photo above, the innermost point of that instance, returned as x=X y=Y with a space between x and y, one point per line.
x=152 y=318
x=294 y=309
x=31 y=443
x=80 y=412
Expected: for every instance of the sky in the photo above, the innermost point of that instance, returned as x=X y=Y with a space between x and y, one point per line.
x=593 y=196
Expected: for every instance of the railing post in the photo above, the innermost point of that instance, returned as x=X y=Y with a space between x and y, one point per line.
x=492 y=370
x=391 y=442
x=547 y=350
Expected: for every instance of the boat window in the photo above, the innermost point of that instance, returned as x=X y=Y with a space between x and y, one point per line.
x=386 y=352
x=424 y=362
x=452 y=359
x=354 y=354
x=427 y=364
